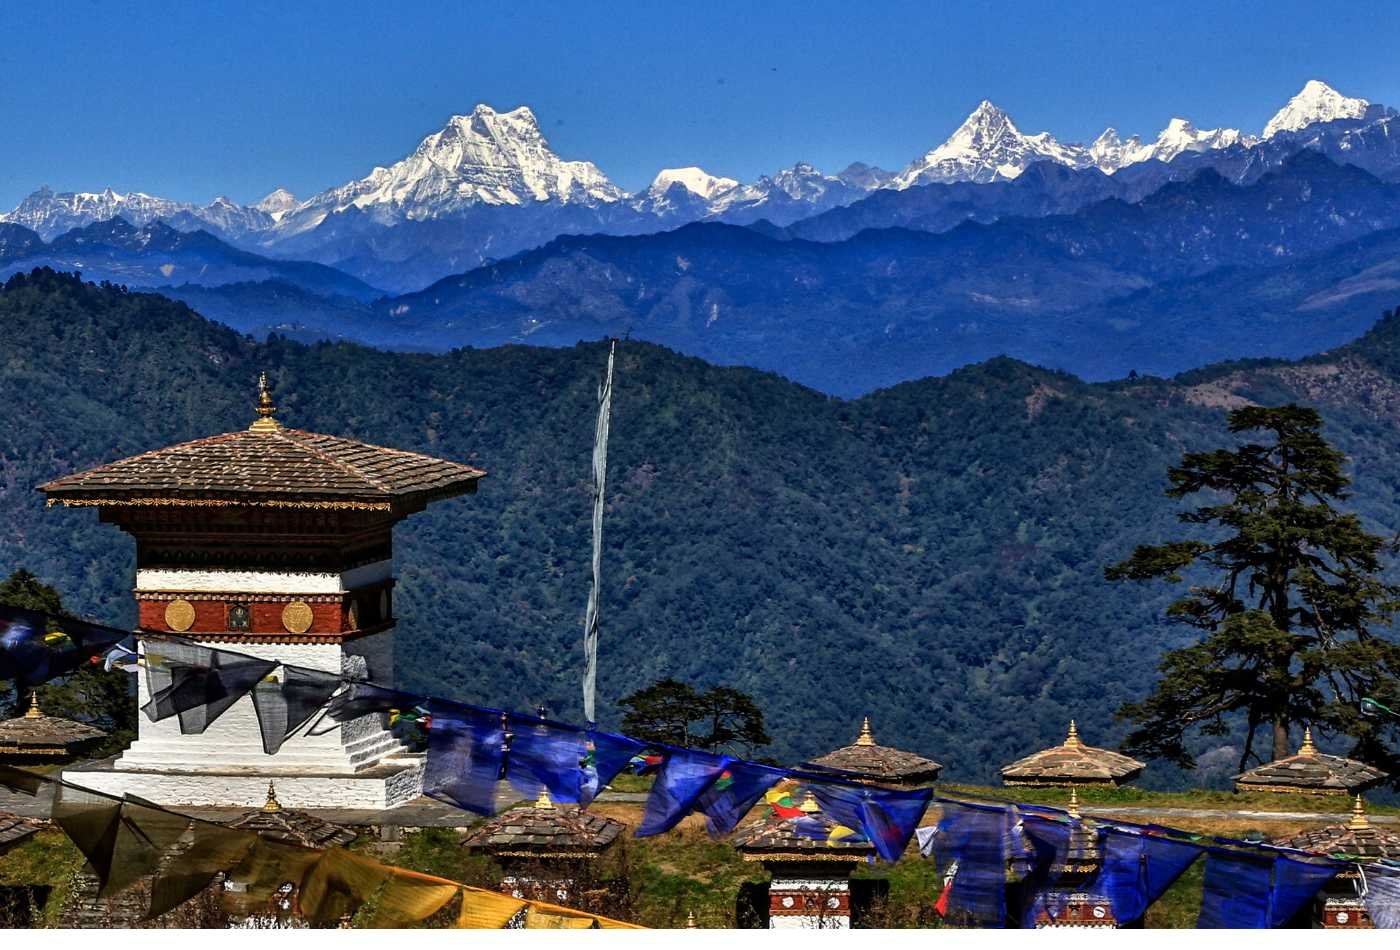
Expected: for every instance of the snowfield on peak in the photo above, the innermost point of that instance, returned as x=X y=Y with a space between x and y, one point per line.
x=487 y=157
x=695 y=180
x=1316 y=102
x=987 y=147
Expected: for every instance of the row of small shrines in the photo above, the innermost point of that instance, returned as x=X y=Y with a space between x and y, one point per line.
x=545 y=849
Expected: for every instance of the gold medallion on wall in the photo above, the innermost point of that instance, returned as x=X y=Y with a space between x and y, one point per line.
x=297 y=617
x=179 y=615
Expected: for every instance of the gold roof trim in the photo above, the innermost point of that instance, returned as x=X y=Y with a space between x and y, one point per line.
x=217 y=503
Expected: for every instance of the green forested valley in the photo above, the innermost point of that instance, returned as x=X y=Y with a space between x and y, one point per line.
x=931 y=555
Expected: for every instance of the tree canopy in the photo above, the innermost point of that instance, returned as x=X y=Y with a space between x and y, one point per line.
x=719 y=719
x=1291 y=595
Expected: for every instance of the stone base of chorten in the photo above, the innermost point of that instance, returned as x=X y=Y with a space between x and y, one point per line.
x=391 y=782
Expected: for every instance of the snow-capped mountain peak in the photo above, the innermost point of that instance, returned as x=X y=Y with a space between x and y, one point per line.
x=276 y=203
x=1316 y=102
x=988 y=147
x=483 y=158
x=695 y=180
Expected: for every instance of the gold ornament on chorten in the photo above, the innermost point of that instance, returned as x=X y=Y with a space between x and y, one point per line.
x=179 y=615
x=297 y=617
x=266 y=409
x=866 y=737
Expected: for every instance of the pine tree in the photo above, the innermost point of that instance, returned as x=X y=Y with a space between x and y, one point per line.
x=1290 y=595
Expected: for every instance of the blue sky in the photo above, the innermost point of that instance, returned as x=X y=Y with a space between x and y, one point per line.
x=195 y=99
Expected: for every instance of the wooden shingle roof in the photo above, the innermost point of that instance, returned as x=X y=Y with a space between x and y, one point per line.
x=545 y=830
x=276 y=823
x=16 y=828
x=1311 y=772
x=283 y=467
x=36 y=733
x=878 y=763
x=774 y=838
x=1356 y=838
x=1072 y=763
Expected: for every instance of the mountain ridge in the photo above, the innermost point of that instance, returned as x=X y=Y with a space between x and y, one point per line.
x=935 y=548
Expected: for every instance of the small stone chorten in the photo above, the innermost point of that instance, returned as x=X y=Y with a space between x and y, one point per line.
x=1072 y=763
x=871 y=762
x=275 y=543
x=285 y=826
x=545 y=849
x=1310 y=772
x=811 y=871
x=1354 y=840
x=34 y=734
x=1068 y=905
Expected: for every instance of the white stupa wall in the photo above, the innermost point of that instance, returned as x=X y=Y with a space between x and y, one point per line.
x=358 y=764
x=234 y=739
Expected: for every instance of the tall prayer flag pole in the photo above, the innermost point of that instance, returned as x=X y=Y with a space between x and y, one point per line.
x=600 y=480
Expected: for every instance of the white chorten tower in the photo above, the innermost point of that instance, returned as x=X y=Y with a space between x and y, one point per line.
x=276 y=543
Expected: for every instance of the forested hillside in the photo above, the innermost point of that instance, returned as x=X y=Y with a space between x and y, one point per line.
x=930 y=554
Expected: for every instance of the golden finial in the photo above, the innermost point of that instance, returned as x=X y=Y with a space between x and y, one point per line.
x=1307 y=748
x=865 y=737
x=1358 y=815
x=267 y=409
x=273 y=805
x=1073 y=808
x=809 y=805
x=544 y=802
x=690 y=920
x=1072 y=740
x=33 y=712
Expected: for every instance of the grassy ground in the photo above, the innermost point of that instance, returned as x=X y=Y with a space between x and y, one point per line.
x=46 y=859
x=684 y=871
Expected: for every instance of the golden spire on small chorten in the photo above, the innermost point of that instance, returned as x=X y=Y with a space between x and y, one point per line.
x=267 y=409
x=1307 y=748
x=33 y=712
x=1358 y=815
x=866 y=737
x=544 y=802
x=1073 y=808
x=1072 y=741
x=272 y=805
x=809 y=805
x=690 y=920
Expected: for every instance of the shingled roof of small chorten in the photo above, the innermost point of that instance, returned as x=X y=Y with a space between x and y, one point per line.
x=878 y=763
x=1356 y=838
x=1072 y=763
x=545 y=830
x=775 y=838
x=276 y=823
x=1310 y=772
x=268 y=464
x=16 y=828
x=37 y=733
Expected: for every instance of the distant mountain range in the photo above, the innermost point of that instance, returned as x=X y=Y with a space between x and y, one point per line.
x=1199 y=270
x=1098 y=260
x=487 y=186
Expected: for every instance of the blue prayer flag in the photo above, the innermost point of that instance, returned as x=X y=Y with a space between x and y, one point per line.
x=685 y=775
x=887 y=817
x=729 y=799
x=1258 y=891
